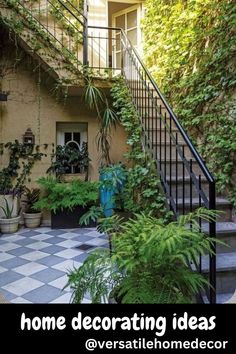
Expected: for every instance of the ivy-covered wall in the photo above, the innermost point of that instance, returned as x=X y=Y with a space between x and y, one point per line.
x=190 y=48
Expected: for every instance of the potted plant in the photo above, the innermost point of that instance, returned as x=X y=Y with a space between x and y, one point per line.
x=32 y=218
x=67 y=201
x=113 y=179
x=70 y=162
x=9 y=223
x=149 y=262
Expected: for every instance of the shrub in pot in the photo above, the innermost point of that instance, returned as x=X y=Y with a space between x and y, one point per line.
x=70 y=158
x=13 y=203
x=9 y=193
x=9 y=223
x=67 y=201
x=32 y=217
x=149 y=262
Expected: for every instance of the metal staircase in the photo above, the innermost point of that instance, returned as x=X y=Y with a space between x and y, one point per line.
x=186 y=180
x=49 y=33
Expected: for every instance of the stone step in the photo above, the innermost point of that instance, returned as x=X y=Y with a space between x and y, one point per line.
x=226 y=271
x=226 y=232
x=157 y=135
x=170 y=151
x=222 y=204
x=177 y=166
x=221 y=298
x=176 y=186
x=149 y=115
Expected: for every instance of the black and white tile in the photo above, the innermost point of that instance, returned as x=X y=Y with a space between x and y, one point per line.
x=34 y=263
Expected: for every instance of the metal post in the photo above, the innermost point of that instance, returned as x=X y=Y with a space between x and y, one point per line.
x=85 y=34
x=212 y=232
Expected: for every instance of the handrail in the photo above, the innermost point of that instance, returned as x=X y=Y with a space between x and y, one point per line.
x=76 y=17
x=195 y=153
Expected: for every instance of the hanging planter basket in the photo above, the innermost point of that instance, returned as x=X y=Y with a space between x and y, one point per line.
x=3 y=96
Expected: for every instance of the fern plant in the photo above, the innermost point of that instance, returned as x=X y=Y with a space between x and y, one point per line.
x=150 y=262
x=59 y=196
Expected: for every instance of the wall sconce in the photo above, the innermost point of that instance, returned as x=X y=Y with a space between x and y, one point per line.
x=28 y=137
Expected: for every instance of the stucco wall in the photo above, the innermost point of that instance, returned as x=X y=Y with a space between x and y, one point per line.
x=33 y=106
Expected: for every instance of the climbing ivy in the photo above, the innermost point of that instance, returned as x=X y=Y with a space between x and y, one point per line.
x=142 y=191
x=73 y=28
x=190 y=49
x=42 y=39
x=22 y=158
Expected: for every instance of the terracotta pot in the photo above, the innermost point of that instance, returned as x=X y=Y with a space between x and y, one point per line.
x=32 y=220
x=9 y=226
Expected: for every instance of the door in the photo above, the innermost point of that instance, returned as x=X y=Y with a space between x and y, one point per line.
x=129 y=20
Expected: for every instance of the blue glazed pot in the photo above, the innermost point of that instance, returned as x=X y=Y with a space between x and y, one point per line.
x=109 y=189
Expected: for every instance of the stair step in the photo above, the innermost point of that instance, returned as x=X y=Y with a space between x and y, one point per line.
x=226 y=231
x=165 y=149
x=225 y=271
x=222 y=204
x=176 y=185
x=156 y=122
x=178 y=166
x=225 y=262
x=157 y=134
x=221 y=298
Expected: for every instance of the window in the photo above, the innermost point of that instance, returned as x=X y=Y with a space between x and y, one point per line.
x=73 y=135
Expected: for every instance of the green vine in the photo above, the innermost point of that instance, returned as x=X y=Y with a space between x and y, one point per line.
x=142 y=191
x=73 y=29
x=22 y=158
x=190 y=49
x=22 y=18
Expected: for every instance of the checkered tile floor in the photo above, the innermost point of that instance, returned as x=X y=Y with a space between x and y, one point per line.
x=34 y=263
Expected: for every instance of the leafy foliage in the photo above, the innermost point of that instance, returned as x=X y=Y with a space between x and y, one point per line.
x=32 y=196
x=142 y=189
x=97 y=276
x=190 y=49
x=22 y=158
x=149 y=263
x=96 y=99
x=7 y=210
x=58 y=196
x=92 y=215
x=66 y=156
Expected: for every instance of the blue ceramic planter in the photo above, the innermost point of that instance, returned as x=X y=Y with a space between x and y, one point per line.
x=109 y=189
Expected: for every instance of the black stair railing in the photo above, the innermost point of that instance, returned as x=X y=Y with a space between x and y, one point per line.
x=186 y=180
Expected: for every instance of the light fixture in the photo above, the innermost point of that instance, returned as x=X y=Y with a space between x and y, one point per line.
x=28 y=137
x=3 y=96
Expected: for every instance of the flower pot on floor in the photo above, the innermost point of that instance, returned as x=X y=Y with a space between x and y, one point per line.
x=9 y=226
x=32 y=220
